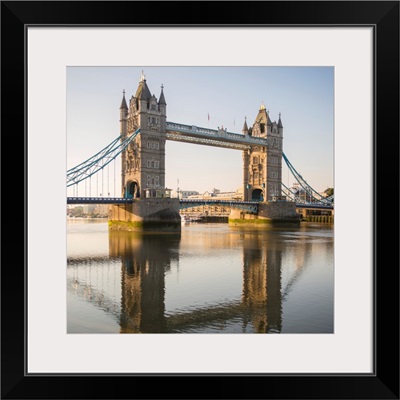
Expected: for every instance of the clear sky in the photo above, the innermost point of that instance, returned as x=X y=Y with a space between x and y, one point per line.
x=303 y=95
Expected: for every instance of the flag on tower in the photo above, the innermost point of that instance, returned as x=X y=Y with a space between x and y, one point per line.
x=208 y=116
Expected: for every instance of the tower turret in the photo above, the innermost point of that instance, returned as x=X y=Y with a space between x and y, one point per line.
x=161 y=101
x=123 y=115
x=245 y=129
x=123 y=124
x=260 y=125
x=142 y=94
x=269 y=123
x=280 y=126
x=162 y=107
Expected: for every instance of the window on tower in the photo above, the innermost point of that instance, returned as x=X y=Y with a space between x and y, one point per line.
x=153 y=164
x=153 y=145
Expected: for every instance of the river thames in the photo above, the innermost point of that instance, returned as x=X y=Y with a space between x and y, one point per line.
x=210 y=278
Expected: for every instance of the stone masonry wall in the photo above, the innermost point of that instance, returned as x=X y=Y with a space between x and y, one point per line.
x=269 y=211
x=146 y=210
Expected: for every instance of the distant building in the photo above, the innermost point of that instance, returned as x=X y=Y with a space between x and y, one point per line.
x=217 y=194
x=184 y=194
x=88 y=210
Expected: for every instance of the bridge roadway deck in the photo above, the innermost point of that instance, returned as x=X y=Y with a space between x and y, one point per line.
x=98 y=200
x=185 y=202
x=121 y=200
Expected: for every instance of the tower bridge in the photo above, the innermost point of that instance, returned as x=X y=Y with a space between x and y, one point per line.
x=146 y=201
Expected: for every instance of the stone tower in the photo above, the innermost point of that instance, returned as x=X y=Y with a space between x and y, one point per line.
x=262 y=165
x=143 y=162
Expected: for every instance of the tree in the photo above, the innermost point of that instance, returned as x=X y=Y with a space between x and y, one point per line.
x=77 y=211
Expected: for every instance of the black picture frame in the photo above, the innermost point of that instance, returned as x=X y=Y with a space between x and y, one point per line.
x=383 y=383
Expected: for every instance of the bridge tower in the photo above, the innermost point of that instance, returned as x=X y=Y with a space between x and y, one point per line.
x=143 y=162
x=143 y=165
x=262 y=165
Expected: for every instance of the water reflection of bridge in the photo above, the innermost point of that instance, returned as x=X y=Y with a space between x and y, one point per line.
x=137 y=302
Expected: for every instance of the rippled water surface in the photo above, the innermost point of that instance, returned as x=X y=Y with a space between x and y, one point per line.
x=210 y=278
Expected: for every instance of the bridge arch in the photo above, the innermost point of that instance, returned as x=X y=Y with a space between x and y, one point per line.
x=132 y=189
x=257 y=194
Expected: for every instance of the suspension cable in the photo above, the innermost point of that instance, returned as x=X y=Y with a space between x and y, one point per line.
x=304 y=184
x=97 y=162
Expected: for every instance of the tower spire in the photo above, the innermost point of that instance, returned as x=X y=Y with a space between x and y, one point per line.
x=280 y=122
x=162 y=98
x=245 y=128
x=123 y=102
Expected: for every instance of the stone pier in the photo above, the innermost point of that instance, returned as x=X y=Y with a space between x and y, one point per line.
x=270 y=212
x=152 y=214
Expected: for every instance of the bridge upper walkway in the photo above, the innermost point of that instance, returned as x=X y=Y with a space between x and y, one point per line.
x=212 y=137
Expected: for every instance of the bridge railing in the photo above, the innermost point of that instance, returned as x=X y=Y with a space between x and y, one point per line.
x=98 y=200
x=213 y=201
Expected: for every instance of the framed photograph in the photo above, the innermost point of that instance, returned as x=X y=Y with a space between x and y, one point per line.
x=96 y=303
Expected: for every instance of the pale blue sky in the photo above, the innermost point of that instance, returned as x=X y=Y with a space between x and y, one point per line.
x=303 y=95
